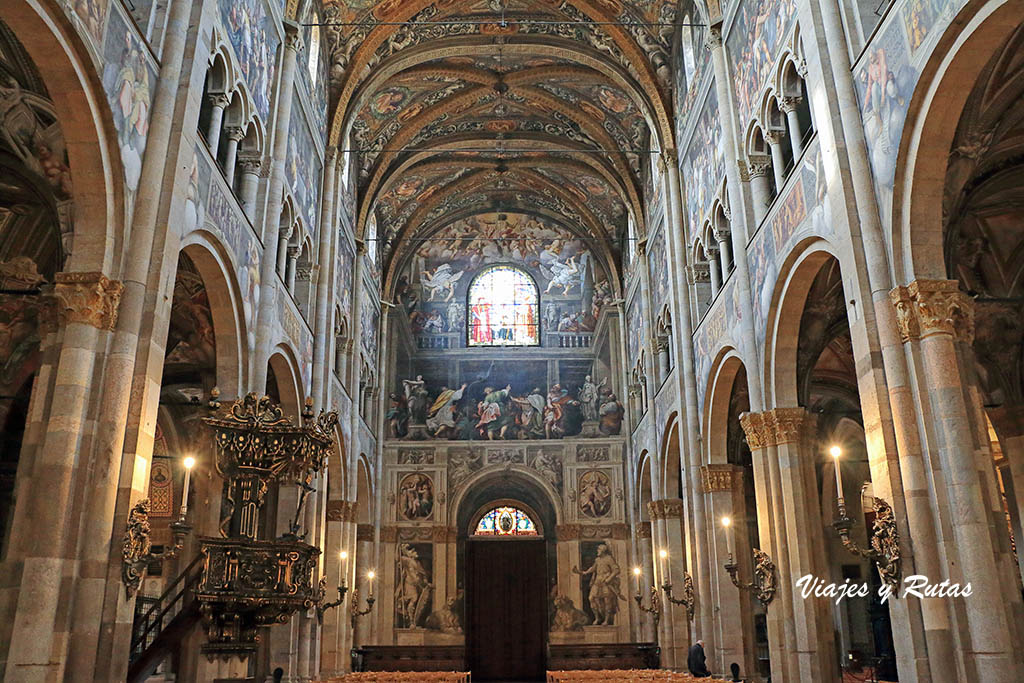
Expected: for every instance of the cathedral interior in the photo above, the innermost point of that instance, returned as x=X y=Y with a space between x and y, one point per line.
x=415 y=340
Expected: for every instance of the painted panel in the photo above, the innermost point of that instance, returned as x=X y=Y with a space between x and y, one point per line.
x=250 y=28
x=657 y=264
x=303 y=169
x=753 y=44
x=128 y=79
x=702 y=165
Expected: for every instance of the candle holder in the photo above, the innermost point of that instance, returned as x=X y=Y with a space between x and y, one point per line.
x=356 y=612
x=321 y=599
x=763 y=585
x=884 y=540
x=687 y=598
x=654 y=610
x=137 y=549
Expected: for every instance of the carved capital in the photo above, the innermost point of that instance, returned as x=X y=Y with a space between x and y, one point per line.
x=714 y=38
x=665 y=508
x=699 y=272
x=759 y=435
x=364 y=532
x=643 y=530
x=711 y=250
x=906 y=319
x=250 y=163
x=938 y=307
x=661 y=343
x=717 y=478
x=721 y=235
x=773 y=137
x=235 y=133
x=340 y=511
x=789 y=425
x=292 y=36
x=789 y=104
x=87 y=298
x=219 y=100
x=759 y=166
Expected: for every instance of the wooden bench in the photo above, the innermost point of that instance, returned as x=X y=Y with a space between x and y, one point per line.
x=403 y=677
x=412 y=657
x=606 y=656
x=620 y=675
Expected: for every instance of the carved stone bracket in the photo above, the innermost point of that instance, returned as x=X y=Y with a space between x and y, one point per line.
x=88 y=298
x=927 y=307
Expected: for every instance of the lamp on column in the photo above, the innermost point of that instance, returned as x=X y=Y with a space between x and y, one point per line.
x=655 y=608
x=321 y=604
x=763 y=585
x=687 y=598
x=884 y=550
x=356 y=612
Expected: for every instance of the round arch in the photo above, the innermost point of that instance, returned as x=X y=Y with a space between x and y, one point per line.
x=671 y=466
x=228 y=315
x=527 y=510
x=715 y=420
x=518 y=271
x=519 y=484
x=644 y=487
x=98 y=190
x=286 y=371
x=783 y=331
x=972 y=38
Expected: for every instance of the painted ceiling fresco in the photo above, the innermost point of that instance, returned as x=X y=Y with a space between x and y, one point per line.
x=461 y=107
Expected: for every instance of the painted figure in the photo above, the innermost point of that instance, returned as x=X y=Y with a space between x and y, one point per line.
x=441 y=418
x=413 y=588
x=604 y=594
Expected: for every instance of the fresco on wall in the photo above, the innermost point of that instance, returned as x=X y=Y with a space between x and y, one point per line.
x=753 y=43
x=600 y=582
x=303 y=170
x=128 y=79
x=886 y=75
x=716 y=330
x=344 y=278
x=91 y=14
x=636 y=319
x=703 y=163
x=250 y=28
x=572 y=285
x=315 y=80
x=505 y=401
x=804 y=210
x=414 y=571
x=415 y=497
x=657 y=264
x=369 y=322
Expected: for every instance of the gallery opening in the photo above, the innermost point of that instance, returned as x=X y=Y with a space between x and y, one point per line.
x=511 y=340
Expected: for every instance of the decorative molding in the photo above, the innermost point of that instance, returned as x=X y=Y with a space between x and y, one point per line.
x=593 y=454
x=716 y=478
x=88 y=298
x=665 y=508
x=568 y=532
x=389 y=533
x=415 y=456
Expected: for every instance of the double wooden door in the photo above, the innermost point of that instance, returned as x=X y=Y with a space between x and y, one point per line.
x=506 y=609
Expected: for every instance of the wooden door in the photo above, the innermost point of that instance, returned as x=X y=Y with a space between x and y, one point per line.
x=506 y=609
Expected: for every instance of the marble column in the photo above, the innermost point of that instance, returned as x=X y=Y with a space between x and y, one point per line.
x=321 y=325
x=291 y=268
x=774 y=140
x=939 y=312
x=661 y=345
x=87 y=304
x=645 y=552
x=758 y=169
x=249 y=185
x=716 y=276
x=218 y=103
x=275 y=193
x=235 y=135
x=725 y=257
x=789 y=107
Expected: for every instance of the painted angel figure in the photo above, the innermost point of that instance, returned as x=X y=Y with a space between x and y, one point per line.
x=441 y=280
x=563 y=275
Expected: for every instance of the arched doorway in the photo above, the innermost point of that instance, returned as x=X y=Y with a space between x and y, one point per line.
x=506 y=526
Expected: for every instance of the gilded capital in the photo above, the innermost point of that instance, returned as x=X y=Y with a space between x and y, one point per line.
x=940 y=308
x=665 y=508
x=788 y=424
x=716 y=478
x=758 y=434
x=906 y=319
x=88 y=298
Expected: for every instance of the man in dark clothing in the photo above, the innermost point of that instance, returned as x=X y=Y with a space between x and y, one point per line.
x=695 y=661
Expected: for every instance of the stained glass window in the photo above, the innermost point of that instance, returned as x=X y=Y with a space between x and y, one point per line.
x=503 y=304
x=506 y=521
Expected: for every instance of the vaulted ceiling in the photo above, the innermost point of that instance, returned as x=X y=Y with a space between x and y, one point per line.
x=463 y=106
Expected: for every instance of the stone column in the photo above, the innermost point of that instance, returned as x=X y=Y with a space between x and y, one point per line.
x=666 y=625
x=646 y=632
x=326 y=231
x=716 y=276
x=250 y=183
x=235 y=135
x=758 y=169
x=779 y=618
x=722 y=485
x=661 y=344
x=291 y=268
x=87 y=304
x=275 y=193
x=670 y=512
x=218 y=102
x=722 y=237
x=774 y=140
x=789 y=107
x=939 y=311
x=283 y=235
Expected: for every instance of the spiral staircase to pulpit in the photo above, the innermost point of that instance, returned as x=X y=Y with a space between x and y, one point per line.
x=237 y=583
